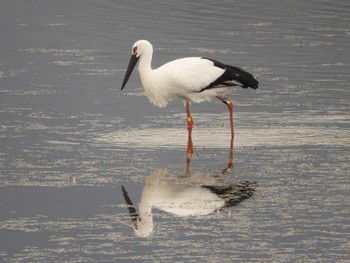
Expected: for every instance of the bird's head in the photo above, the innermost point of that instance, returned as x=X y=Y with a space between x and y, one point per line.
x=143 y=223
x=140 y=47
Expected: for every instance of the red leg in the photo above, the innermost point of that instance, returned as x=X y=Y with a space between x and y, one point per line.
x=189 y=148
x=189 y=127
x=189 y=120
x=230 y=164
x=189 y=155
x=230 y=108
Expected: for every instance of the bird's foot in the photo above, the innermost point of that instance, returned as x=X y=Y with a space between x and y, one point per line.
x=228 y=169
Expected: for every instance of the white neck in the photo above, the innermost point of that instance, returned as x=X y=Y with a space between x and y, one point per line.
x=145 y=62
x=145 y=220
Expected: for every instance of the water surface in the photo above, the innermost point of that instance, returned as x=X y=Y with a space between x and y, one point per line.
x=70 y=138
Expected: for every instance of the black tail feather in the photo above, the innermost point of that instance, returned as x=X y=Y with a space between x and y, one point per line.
x=243 y=77
x=233 y=76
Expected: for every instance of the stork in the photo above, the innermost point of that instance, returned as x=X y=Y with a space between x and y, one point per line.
x=192 y=79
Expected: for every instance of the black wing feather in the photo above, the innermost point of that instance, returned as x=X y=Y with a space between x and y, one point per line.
x=233 y=76
x=233 y=194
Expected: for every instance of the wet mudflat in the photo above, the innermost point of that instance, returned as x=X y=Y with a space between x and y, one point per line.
x=70 y=139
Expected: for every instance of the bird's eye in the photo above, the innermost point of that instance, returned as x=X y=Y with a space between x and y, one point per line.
x=134 y=50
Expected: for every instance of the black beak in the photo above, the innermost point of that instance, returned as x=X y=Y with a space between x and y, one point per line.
x=132 y=64
x=131 y=208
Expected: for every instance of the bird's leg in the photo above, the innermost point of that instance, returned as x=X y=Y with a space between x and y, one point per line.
x=188 y=157
x=230 y=164
x=189 y=127
x=189 y=120
x=189 y=148
x=230 y=108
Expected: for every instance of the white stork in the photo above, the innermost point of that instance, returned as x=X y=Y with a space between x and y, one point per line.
x=193 y=79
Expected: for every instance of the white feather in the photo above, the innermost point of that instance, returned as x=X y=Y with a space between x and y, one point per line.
x=182 y=78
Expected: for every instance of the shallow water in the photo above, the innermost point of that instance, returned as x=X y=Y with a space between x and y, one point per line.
x=70 y=138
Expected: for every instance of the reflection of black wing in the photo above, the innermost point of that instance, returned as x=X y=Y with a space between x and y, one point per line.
x=233 y=194
x=131 y=208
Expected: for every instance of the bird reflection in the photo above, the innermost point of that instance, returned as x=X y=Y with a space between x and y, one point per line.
x=191 y=194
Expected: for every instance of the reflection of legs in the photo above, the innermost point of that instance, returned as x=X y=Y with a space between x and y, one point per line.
x=230 y=108
x=189 y=128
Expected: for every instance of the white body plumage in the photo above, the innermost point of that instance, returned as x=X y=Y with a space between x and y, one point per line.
x=182 y=78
